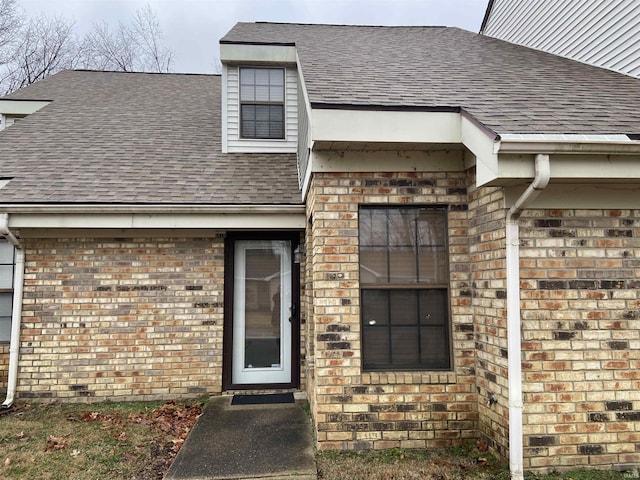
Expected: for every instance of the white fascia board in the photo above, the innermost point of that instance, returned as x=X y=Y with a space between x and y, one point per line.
x=257 y=54
x=483 y=145
x=258 y=217
x=21 y=107
x=371 y=126
x=219 y=221
x=573 y=167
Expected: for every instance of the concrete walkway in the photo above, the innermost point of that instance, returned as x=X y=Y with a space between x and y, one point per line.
x=247 y=442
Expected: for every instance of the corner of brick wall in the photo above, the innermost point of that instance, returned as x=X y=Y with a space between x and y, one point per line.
x=374 y=410
x=488 y=267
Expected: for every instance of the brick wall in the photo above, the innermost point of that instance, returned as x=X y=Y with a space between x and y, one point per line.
x=581 y=337
x=355 y=409
x=4 y=367
x=488 y=265
x=122 y=318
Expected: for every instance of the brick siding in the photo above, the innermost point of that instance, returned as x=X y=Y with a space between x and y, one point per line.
x=580 y=283
x=4 y=367
x=360 y=410
x=122 y=318
x=487 y=219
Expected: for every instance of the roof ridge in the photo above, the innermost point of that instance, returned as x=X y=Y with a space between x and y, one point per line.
x=346 y=25
x=142 y=73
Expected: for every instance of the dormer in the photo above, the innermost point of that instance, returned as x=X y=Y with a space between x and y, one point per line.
x=259 y=98
x=12 y=110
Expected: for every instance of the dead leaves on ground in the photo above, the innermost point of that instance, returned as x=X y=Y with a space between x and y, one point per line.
x=172 y=421
x=56 y=443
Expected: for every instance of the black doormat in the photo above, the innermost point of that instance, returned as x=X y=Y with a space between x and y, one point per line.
x=270 y=398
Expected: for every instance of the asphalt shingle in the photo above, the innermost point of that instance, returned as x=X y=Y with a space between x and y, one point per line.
x=508 y=88
x=134 y=138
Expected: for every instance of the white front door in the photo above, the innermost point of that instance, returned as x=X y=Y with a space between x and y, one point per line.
x=262 y=312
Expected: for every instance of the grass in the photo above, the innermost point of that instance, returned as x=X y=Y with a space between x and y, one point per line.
x=398 y=464
x=82 y=441
x=458 y=463
x=137 y=441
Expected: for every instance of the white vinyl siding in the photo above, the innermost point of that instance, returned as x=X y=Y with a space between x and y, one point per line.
x=8 y=120
x=605 y=33
x=231 y=124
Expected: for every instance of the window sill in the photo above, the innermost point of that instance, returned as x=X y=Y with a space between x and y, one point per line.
x=408 y=377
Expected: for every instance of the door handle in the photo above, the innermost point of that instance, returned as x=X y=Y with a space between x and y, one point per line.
x=294 y=311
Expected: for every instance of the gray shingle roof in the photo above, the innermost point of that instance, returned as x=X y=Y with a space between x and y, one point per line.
x=509 y=88
x=134 y=138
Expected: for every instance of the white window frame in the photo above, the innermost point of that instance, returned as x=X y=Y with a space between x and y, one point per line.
x=282 y=104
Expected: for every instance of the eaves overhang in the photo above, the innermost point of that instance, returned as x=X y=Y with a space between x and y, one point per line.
x=9 y=106
x=155 y=216
x=574 y=158
x=500 y=159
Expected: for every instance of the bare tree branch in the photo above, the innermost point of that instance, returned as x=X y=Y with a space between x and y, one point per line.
x=130 y=47
x=11 y=21
x=32 y=49
x=46 y=45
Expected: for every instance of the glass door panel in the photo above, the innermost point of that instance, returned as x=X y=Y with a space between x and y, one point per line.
x=261 y=312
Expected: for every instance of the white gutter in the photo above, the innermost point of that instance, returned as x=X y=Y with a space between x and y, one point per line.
x=16 y=312
x=514 y=347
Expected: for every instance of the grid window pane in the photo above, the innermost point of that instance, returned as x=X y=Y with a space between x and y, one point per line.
x=374 y=265
x=276 y=76
x=6 y=276
x=434 y=347
x=375 y=307
x=262 y=103
x=262 y=121
x=402 y=263
x=433 y=307
x=375 y=346
x=6 y=252
x=432 y=228
x=432 y=265
x=404 y=346
x=5 y=329
x=373 y=227
x=402 y=227
x=404 y=307
x=404 y=248
x=6 y=300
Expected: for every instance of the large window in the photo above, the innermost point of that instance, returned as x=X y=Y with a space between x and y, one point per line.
x=7 y=267
x=262 y=103
x=404 y=288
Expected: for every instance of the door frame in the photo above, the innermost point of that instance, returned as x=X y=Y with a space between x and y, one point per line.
x=227 y=346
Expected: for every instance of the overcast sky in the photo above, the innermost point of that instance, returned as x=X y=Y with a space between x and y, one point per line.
x=192 y=28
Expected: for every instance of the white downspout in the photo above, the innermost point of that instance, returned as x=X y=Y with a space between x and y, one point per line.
x=16 y=315
x=514 y=347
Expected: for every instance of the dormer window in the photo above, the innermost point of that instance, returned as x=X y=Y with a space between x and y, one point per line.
x=262 y=103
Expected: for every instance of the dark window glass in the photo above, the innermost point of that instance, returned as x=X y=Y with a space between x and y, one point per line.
x=404 y=283
x=7 y=266
x=262 y=103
